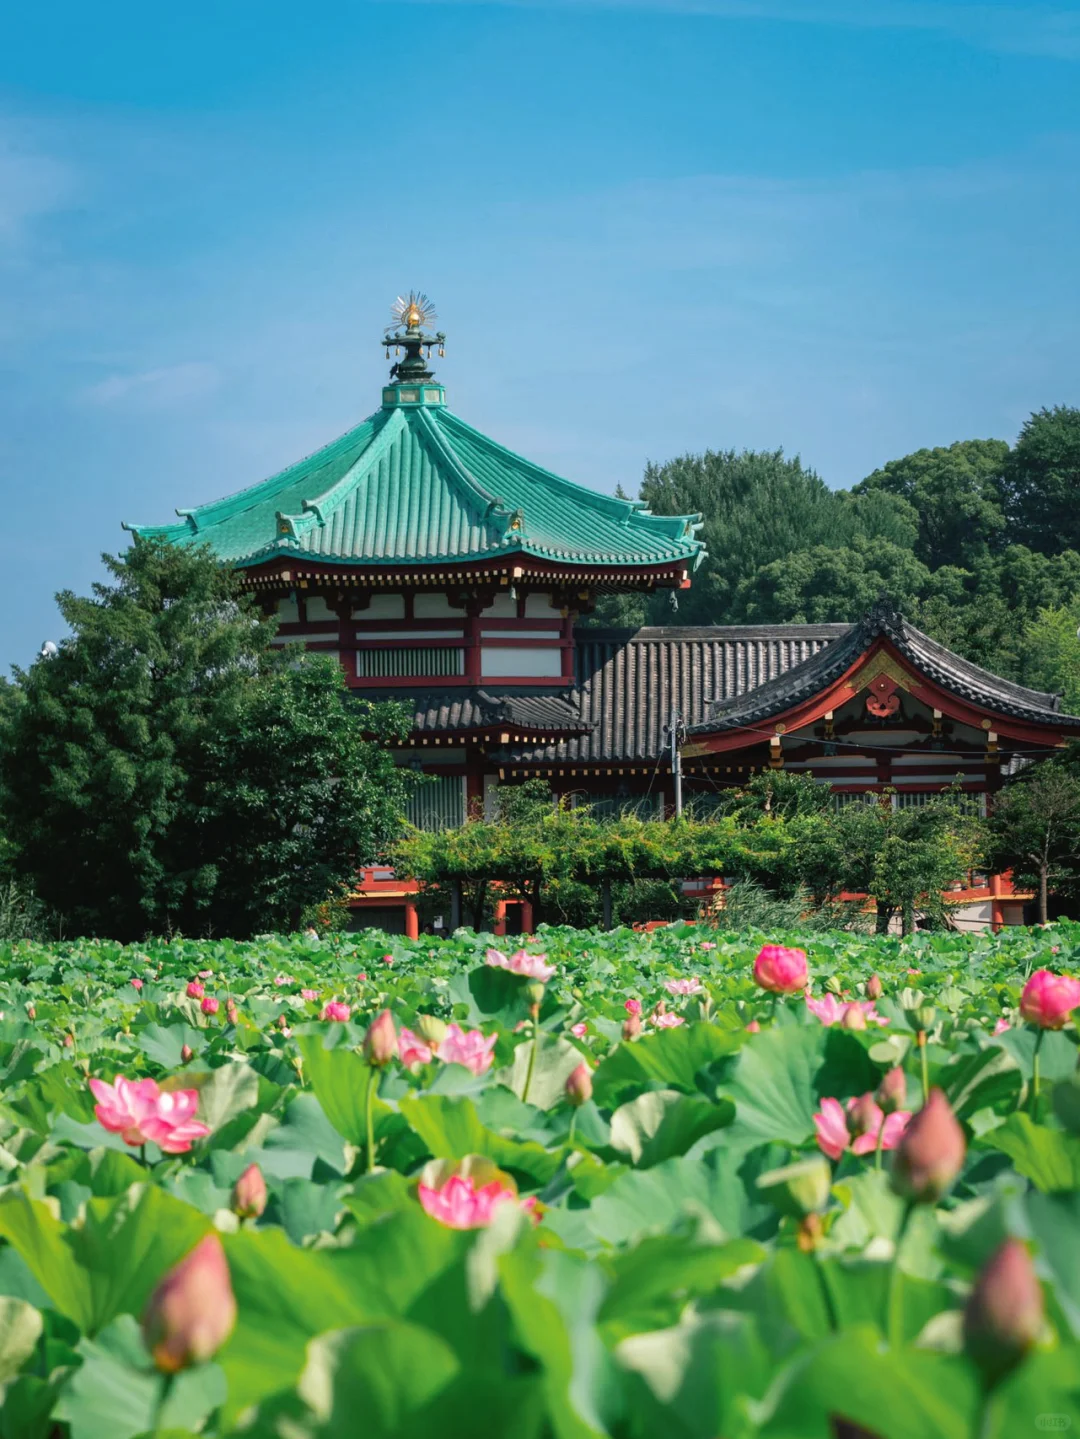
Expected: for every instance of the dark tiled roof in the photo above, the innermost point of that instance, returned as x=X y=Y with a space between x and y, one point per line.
x=959 y=676
x=626 y=681
x=438 y=711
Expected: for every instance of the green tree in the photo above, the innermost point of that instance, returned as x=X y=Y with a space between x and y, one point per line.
x=1035 y=829
x=758 y=507
x=169 y=769
x=1043 y=480
x=1052 y=654
x=957 y=495
x=826 y=583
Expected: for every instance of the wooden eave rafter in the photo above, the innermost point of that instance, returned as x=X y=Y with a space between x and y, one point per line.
x=881 y=658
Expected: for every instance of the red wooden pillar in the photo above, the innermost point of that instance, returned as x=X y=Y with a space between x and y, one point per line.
x=412 y=920
x=500 y=916
x=997 y=913
x=346 y=639
x=472 y=642
x=526 y=917
x=474 y=783
x=568 y=647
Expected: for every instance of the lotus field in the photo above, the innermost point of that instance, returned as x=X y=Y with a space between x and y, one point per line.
x=689 y=1185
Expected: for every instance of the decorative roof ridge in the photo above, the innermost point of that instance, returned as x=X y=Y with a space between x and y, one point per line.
x=659 y=634
x=952 y=672
x=430 y=428
x=326 y=503
x=215 y=510
x=625 y=510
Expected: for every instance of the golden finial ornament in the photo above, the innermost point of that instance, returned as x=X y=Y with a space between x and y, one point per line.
x=413 y=310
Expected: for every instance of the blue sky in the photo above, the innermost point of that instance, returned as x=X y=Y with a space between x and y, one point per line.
x=847 y=227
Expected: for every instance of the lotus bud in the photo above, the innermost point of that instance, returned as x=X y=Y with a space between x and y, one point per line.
x=31 y=1012
x=192 y=1311
x=249 y=1193
x=431 y=1029
x=283 y=1021
x=579 y=1085
x=534 y=990
x=854 y=1018
x=187 y=1054
x=892 y=1091
x=1004 y=1315
x=753 y=1027
x=798 y=1189
x=833 y=985
x=874 y=988
x=631 y=1026
x=931 y=1153
x=69 y=1041
x=380 y=1042
x=864 y=1116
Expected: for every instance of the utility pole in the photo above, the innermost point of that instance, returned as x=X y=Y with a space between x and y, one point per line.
x=676 y=734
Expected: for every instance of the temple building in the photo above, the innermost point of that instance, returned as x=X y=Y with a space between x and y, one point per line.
x=445 y=571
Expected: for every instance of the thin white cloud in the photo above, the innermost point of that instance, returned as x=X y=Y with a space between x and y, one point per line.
x=1037 y=29
x=31 y=185
x=159 y=389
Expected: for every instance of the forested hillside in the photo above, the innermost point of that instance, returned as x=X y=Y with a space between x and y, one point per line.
x=979 y=543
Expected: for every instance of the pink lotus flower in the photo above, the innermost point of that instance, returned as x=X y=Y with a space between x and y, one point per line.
x=136 y=984
x=668 y=1021
x=471 y=1049
x=579 y=1030
x=780 y=970
x=914 y=971
x=210 y=1005
x=205 y=973
x=361 y=977
x=831 y=1010
x=309 y=994
x=1048 y=999
x=412 y=1050
x=458 y=1204
x=281 y=979
x=706 y=944
x=834 y=1134
x=336 y=1010
x=753 y=1027
x=138 y=1111
x=531 y=966
x=69 y=1041
x=633 y=1006
x=683 y=986
x=173 y=1127
x=386 y=959
x=195 y=989
x=1002 y=1025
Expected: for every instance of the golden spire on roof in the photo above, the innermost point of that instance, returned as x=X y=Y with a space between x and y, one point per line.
x=414 y=311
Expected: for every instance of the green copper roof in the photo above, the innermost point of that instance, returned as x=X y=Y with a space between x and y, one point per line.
x=416 y=484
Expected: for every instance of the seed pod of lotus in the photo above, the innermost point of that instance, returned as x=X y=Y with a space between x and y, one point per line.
x=431 y=1028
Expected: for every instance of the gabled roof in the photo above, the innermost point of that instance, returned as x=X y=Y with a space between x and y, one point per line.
x=415 y=484
x=955 y=675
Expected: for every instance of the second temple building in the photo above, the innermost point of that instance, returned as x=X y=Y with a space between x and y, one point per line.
x=447 y=572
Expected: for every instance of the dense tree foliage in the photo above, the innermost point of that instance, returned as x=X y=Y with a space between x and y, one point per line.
x=169 y=769
x=977 y=542
x=1035 y=829
x=781 y=834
